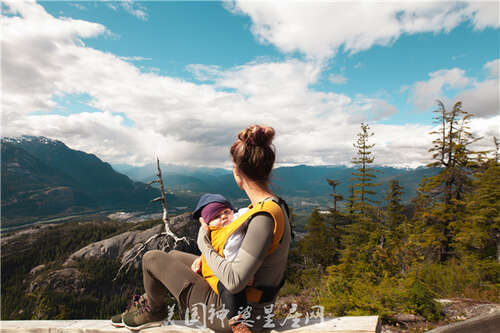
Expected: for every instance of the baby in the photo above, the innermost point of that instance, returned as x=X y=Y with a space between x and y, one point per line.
x=217 y=212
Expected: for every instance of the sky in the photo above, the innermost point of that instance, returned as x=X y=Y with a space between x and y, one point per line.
x=129 y=81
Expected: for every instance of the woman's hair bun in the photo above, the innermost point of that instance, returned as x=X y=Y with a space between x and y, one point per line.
x=253 y=153
x=257 y=135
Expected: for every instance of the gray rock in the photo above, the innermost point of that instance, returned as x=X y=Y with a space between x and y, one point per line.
x=118 y=246
x=37 y=270
x=68 y=280
x=407 y=318
x=69 y=263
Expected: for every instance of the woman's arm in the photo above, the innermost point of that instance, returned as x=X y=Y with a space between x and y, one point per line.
x=236 y=275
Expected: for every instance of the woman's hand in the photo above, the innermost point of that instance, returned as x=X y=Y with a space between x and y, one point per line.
x=204 y=224
x=196 y=265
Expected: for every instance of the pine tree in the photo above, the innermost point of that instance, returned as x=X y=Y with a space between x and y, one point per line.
x=440 y=204
x=394 y=208
x=451 y=151
x=350 y=201
x=479 y=234
x=364 y=176
x=335 y=222
x=316 y=247
x=336 y=197
x=396 y=227
x=363 y=250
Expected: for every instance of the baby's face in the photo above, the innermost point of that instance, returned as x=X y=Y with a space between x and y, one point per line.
x=224 y=217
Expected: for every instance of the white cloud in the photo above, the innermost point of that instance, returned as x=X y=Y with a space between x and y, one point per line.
x=425 y=93
x=203 y=72
x=78 y=6
x=337 y=78
x=483 y=14
x=180 y=121
x=291 y=76
x=493 y=68
x=135 y=9
x=135 y=58
x=481 y=98
x=111 y=6
x=319 y=28
x=28 y=79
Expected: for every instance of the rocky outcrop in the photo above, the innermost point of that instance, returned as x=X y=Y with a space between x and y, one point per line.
x=67 y=280
x=114 y=247
x=118 y=246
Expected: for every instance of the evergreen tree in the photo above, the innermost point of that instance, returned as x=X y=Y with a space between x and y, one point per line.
x=364 y=176
x=394 y=208
x=440 y=204
x=451 y=151
x=396 y=227
x=363 y=251
x=335 y=222
x=336 y=197
x=479 y=234
x=316 y=247
x=350 y=201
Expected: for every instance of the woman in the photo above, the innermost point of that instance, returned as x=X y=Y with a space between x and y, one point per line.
x=261 y=258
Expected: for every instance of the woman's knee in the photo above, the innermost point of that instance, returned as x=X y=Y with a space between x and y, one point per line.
x=174 y=252
x=151 y=257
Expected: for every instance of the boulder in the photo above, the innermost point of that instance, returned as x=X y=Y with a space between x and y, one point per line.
x=37 y=270
x=407 y=318
x=67 y=280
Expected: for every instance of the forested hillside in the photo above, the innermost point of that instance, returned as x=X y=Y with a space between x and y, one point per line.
x=373 y=258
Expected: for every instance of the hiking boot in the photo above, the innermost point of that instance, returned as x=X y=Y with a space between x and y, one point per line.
x=116 y=320
x=143 y=317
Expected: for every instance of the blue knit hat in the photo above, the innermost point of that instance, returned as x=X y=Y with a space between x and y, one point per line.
x=209 y=198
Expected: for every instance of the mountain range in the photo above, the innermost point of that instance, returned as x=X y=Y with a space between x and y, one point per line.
x=43 y=177
x=305 y=185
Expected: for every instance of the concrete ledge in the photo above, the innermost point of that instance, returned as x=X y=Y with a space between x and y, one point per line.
x=362 y=324
x=489 y=323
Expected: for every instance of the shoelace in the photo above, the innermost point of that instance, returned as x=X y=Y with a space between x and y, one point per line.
x=135 y=299
x=144 y=307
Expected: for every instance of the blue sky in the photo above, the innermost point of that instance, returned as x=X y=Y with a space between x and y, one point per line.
x=179 y=79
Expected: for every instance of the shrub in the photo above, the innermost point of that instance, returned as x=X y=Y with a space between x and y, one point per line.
x=421 y=301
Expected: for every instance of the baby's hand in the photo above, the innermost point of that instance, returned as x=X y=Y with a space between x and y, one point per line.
x=203 y=223
x=196 y=265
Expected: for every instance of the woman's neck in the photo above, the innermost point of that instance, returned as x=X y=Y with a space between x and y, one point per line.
x=257 y=192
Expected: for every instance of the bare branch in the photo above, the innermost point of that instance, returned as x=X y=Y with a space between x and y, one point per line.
x=135 y=254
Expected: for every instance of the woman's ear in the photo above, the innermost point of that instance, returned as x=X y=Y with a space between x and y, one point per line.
x=237 y=176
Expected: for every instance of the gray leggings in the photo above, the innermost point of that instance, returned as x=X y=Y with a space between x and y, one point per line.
x=170 y=273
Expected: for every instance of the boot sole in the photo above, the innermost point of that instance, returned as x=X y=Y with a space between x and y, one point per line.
x=143 y=326
x=117 y=325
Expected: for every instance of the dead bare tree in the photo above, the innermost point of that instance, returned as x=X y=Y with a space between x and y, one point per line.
x=133 y=256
